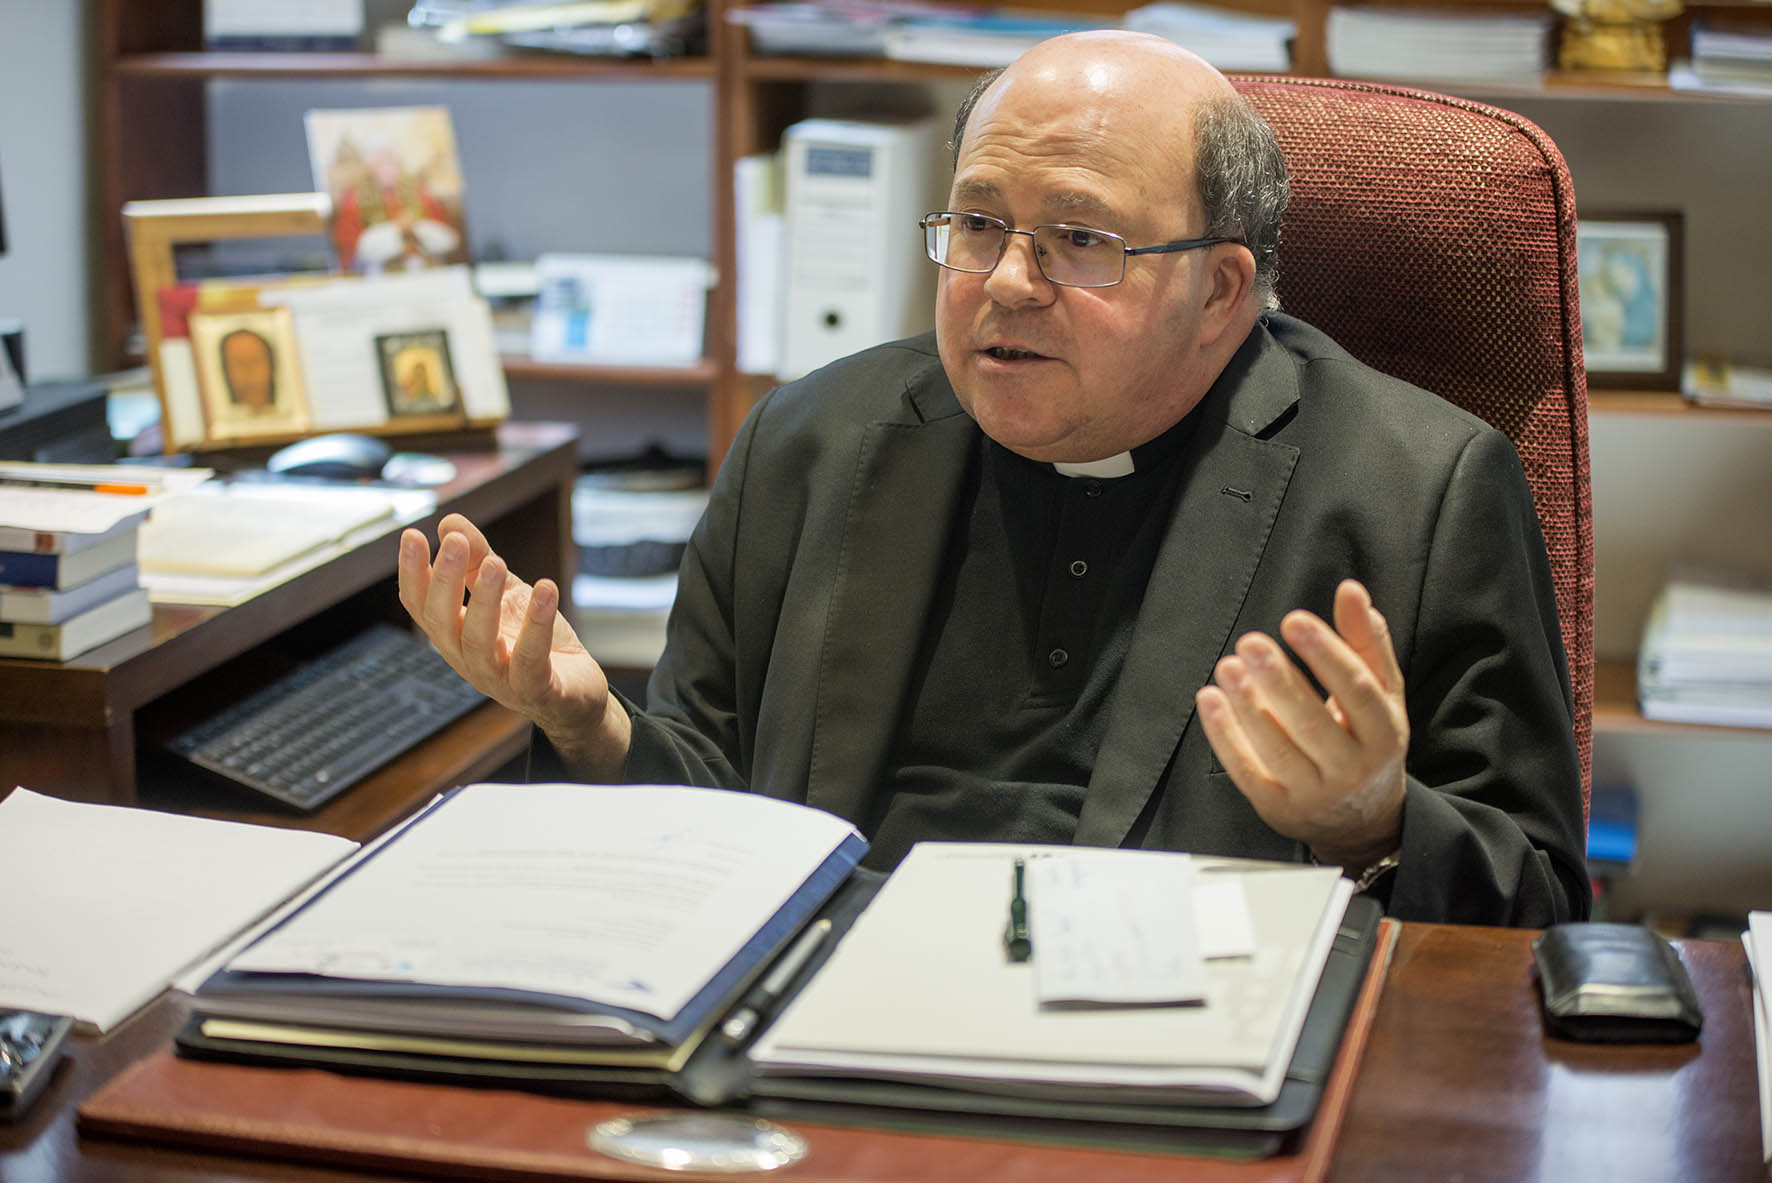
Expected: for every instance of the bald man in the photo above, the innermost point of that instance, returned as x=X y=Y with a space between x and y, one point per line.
x=1119 y=555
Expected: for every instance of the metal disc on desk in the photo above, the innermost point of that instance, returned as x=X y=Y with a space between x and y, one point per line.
x=699 y=1142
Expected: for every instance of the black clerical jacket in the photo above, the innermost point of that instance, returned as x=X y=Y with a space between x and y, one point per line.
x=805 y=588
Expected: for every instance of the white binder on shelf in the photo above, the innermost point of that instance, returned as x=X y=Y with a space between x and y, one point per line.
x=854 y=266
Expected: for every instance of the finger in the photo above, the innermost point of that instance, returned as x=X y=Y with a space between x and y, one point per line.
x=531 y=656
x=442 y=611
x=1293 y=716
x=1230 y=743
x=479 y=623
x=478 y=547
x=414 y=572
x=1369 y=711
x=1363 y=627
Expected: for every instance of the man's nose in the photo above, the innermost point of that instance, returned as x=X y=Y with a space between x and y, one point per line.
x=1017 y=278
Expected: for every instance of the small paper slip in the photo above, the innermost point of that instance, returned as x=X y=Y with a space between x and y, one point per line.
x=1116 y=931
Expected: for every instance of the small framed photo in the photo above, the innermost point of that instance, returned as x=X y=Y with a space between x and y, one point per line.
x=417 y=379
x=1632 y=328
x=248 y=374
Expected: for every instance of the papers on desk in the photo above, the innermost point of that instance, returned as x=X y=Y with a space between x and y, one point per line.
x=1758 y=939
x=944 y=1006
x=46 y=503
x=107 y=904
x=224 y=543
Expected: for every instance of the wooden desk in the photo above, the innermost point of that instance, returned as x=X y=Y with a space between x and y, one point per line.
x=72 y=728
x=1459 y=1082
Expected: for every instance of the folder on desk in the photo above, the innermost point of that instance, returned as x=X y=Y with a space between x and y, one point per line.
x=325 y=991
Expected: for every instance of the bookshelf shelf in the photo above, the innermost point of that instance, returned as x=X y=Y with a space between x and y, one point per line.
x=1667 y=402
x=702 y=374
x=366 y=65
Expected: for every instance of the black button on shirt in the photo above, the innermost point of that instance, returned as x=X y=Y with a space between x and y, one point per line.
x=1025 y=639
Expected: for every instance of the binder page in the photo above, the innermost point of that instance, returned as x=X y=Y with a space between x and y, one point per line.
x=921 y=989
x=623 y=895
x=108 y=903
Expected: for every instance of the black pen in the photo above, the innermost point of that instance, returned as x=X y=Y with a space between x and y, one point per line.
x=775 y=985
x=1016 y=941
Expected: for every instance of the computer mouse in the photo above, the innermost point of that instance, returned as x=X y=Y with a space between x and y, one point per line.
x=341 y=455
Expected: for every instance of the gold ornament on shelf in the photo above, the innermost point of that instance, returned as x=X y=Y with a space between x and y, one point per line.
x=1614 y=35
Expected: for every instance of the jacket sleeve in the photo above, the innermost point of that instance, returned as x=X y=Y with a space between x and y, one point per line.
x=1494 y=829
x=691 y=730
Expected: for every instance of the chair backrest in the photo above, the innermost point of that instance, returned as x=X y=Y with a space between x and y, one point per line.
x=1434 y=239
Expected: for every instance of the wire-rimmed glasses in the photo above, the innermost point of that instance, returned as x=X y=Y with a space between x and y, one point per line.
x=1072 y=256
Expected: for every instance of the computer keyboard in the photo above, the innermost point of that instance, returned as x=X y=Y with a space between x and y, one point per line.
x=331 y=721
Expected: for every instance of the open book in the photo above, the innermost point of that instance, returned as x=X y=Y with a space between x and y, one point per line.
x=578 y=924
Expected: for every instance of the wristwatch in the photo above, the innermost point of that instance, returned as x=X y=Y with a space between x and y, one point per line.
x=1378 y=870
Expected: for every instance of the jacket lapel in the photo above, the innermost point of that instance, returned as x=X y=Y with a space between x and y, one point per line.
x=907 y=478
x=1230 y=496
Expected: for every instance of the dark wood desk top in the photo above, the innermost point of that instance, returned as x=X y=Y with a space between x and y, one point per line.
x=1459 y=1082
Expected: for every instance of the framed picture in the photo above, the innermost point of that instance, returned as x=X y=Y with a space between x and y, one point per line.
x=395 y=184
x=1631 y=299
x=247 y=372
x=157 y=231
x=417 y=379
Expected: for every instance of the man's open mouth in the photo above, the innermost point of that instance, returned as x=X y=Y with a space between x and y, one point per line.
x=1004 y=353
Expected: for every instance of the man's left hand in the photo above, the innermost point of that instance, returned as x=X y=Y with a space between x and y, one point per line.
x=1328 y=772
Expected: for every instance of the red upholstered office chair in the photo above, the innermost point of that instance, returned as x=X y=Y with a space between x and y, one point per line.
x=1434 y=238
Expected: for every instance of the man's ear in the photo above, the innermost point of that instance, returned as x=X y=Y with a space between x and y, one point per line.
x=1230 y=294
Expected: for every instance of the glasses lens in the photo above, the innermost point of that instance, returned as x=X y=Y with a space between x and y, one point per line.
x=1079 y=256
x=964 y=242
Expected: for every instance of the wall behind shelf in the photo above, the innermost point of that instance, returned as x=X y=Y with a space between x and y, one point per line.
x=548 y=165
x=43 y=275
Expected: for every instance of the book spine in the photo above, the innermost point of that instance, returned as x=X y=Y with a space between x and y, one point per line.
x=28 y=570
x=29 y=640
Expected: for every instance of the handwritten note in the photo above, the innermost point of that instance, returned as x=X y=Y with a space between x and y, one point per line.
x=1116 y=930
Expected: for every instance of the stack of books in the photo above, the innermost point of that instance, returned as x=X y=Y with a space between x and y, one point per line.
x=1707 y=653
x=68 y=575
x=1437 y=47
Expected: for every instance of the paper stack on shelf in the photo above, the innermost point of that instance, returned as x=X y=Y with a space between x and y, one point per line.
x=1438 y=47
x=1758 y=939
x=818 y=30
x=1228 y=39
x=985 y=40
x=1706 y=655
x=68 y=540
x=630 y=534
x=1733 y=60
x=1714 y=382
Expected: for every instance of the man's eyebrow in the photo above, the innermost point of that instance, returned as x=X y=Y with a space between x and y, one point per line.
x=1064 y=205
x=974 y=190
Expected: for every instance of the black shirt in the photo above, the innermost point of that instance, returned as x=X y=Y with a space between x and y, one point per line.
x=1028 y=630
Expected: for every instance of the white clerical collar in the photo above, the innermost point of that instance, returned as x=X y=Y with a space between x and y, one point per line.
x=1104 y=469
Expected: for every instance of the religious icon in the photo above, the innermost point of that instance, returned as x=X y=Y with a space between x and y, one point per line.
x=248 y=373
x=416 y=376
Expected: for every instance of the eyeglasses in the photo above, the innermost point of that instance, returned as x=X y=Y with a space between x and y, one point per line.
x=1072 y=256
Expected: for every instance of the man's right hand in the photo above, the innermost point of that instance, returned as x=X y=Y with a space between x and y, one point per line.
x=513 y=645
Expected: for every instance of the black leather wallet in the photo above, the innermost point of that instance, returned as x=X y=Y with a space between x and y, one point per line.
x=1615 y=983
